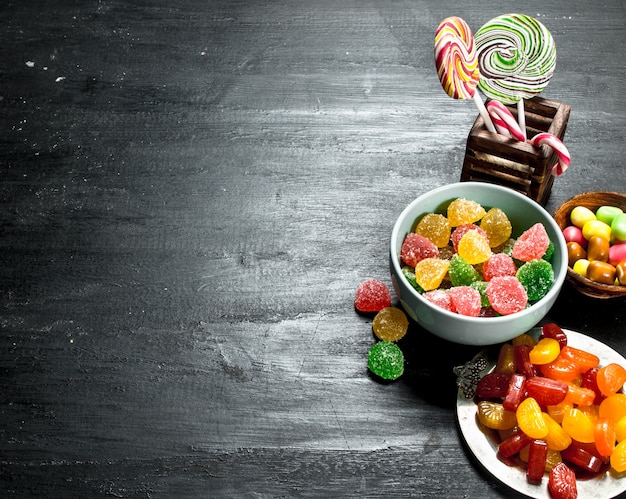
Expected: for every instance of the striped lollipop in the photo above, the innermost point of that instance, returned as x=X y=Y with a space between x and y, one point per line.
x=516 y=57
x=457 y=63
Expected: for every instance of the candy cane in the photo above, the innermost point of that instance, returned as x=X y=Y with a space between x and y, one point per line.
x=558 y=147
x=504 y=121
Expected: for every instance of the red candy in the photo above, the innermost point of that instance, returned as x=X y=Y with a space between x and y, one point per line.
x=465 y=300
x=506 y=295
x=440 y=298
x=532 y=244
x=416 y=248
x=461 y=230
x=372 y=296
x=499 y=264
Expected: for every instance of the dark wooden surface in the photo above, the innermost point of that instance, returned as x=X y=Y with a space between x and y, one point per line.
x=191 y=192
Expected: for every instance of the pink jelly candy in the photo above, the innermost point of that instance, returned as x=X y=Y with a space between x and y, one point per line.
x=506 y=295
x=372 y=296
x=499 y=264
x=440 y=298
x=415 y=248
x=532 y=244
x=461 y=230
x=466 y=300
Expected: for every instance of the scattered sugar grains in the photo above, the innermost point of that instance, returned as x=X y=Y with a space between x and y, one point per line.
x=372 y=295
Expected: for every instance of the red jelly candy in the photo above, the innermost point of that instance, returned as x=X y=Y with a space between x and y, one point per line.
x=466 y=300
x=499 y=264
x=416 y=248
x=506 y=295
x=372 y=296
x=440 y=298
x=461 y=230
x=532 y=244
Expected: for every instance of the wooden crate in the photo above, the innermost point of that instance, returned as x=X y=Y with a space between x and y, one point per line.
x=504 y=161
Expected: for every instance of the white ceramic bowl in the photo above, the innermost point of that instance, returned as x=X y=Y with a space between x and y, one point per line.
x=523 y=212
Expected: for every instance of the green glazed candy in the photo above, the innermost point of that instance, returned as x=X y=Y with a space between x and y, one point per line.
x=606 y=214
x=537 y=277
x=462 y=273
x=386 y=360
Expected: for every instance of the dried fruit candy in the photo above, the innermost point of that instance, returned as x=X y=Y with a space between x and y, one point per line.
x=372 y=295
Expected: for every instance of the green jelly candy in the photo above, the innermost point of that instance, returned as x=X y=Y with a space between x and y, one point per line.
x=481 y=287
x=549 y=252
x=386 y=360
x=462 y=273
x=409 y=275
x=537 y=277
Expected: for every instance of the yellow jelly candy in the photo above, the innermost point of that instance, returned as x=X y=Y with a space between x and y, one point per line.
x=464 y=211
x=497 y=226
x=474 y=248
x=390 y=324
x=435 y=227
x=429 y=272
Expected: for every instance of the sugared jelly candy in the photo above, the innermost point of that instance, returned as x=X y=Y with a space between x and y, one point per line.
x=461 y=230
x=549 y=252
x=372 y=295
x=390 y=324
x=532 y=244
x=409 y=274
x=464 y=211
x=580 y=215
x=430 y=272
x=415 y=248
x=537 y=277
x=497 y=226
x=506 y=295
x=435 y=227
x=499 y=264
x=440 y=298
x=462 y=273
x=474 y=248
x=385 y=359
x=466 y=300
x=481 y=287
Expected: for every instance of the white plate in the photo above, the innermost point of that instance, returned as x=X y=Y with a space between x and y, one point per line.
x=484 y=449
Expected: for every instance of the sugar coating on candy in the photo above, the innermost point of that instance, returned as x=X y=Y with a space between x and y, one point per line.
x=537 y=277
x=549 y=252
x=474 y=248
x=409 y=275
x=499 y=264
x=372 y=295
x=429 y=273
x=481 y=287
x=440 y=298
x=415 y=248
x=497 y=226
x=506 y=295
x=532 y=244
x=464 y=211
x=390 y=324
x=461 y=230
x=466 y=300
x=462 y=273
x=386 y=360
x=436 y=228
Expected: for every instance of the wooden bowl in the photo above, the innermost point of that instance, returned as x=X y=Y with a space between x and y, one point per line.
x=591 y=200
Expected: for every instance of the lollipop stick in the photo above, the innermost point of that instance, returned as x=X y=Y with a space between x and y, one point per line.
x=483 y=112
x=521 y=116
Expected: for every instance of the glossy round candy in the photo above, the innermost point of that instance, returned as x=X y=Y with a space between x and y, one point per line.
x=386 y=360
x=390 y=324
x=618 y=228
x=580 y=215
